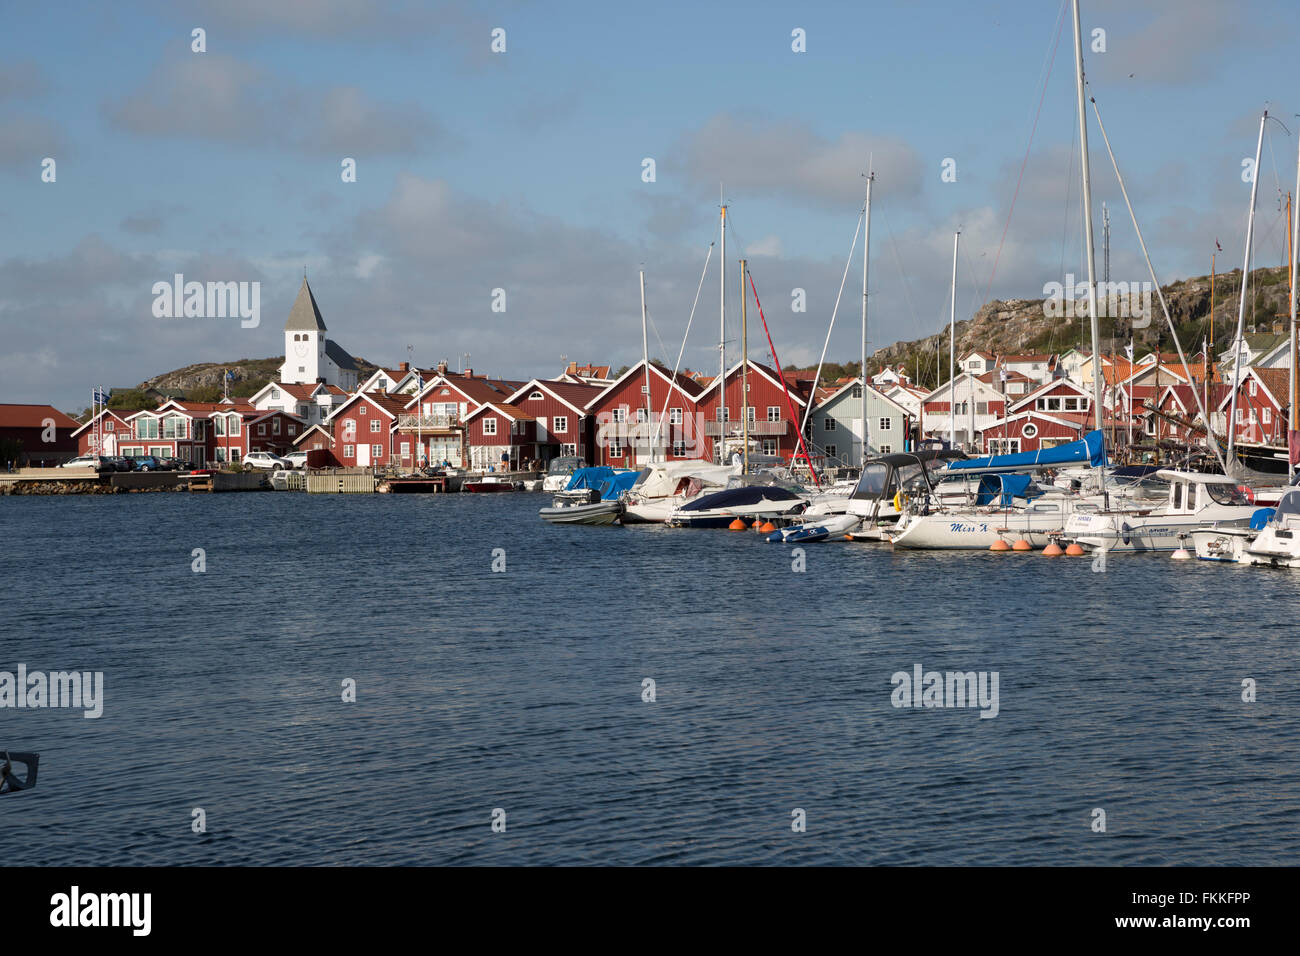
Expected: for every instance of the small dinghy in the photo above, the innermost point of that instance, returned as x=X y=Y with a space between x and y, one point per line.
x=595 y=512
x=835 y=526
x=10 y=782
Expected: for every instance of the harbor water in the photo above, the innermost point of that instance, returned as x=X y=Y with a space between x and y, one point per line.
x=524 y=689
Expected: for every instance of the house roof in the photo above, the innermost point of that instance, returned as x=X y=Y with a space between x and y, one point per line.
x=121 y=414
x=317 y=427
x=33 y=416
x=202 y=409
x=851 y=383
x=340 y=355
x=305 y=315
x=1276 y=381
x=799 y=389
x=509 y=411
x=574 y=395
x=688 y=386
x=381 y=400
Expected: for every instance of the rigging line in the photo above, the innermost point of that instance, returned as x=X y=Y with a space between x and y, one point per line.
x=847 y=263
x=898 y=261
x=1156 y=283
x=1060 y=24
x=781 y=375
x=678 y=365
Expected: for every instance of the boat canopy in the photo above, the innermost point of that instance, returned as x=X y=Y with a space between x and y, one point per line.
x=612 y=488
x=1000 y=489
x=740 y=497
x=1089 y=450
x=591 y=477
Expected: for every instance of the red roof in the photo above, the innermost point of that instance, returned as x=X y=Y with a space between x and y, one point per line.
x=34 y=416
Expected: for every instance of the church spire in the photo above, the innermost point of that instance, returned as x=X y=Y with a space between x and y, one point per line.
x=305 y=314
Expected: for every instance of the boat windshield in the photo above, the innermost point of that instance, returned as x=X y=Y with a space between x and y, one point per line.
x=1225 y=494
x=872 y=483
x=563 y=466
x=1288 y=505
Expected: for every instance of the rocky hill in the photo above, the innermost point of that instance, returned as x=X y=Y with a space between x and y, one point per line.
x=1024 y=325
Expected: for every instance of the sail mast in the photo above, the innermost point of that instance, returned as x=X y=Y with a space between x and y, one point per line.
x=1087 y=225
x=952 y=349
x=645 y=361
x=1295 y=343
x=866 y=245
x=722 y=346
x=744 y=368
x=1241 y=308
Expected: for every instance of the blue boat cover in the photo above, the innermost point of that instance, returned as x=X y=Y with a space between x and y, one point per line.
x=1089 y=450
x=612 y=488
x=590 y=477
x=1000 y=489
x=1261 y=518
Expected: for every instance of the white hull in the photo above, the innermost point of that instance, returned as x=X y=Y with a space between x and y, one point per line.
x=1133 y=532
x=973 y=530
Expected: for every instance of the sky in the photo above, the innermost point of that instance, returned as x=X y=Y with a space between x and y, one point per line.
x=524 y=170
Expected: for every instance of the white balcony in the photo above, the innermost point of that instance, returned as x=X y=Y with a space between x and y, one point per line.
x=715 y=429
x=430 y=422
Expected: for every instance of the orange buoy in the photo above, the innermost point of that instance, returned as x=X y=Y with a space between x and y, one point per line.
x=1074 y=549
x=737 y=525
x=1022 y=545
x=1053 y=550
x=767 y=527
x=999 y=545
x=848 y=537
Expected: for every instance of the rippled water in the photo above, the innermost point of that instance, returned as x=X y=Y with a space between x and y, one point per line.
x=522 y=690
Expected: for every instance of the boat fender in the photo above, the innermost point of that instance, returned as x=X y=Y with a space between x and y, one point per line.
x=898 y=501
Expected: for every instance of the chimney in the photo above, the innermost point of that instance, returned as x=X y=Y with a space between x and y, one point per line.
x=469 y=373
x=442 y=367
x=404 y=367
x=1277 y=327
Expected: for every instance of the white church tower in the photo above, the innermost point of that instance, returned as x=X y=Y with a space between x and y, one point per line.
x=309 y=355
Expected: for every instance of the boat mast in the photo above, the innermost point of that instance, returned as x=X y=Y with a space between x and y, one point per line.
x=866 y=245
x=952 y=349
x=1087 y=225
x=645 y=361
x=722 y=346
x=1295 y=343
x=744 y=368
x=1241 y=308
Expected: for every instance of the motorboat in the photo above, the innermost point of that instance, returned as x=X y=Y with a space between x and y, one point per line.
x=825 y=528
x=1196 y=502
x=593 y=496
x=664 y=486
x=1277 y=543
x=560 y=471
x=767 y=494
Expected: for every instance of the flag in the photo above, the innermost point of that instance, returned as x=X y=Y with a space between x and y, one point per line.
x=230 y=376
x=1217 y=246
x=1128 y=350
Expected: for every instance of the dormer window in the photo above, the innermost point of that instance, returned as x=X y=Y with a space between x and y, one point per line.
x=535 y=397
x=275 y=394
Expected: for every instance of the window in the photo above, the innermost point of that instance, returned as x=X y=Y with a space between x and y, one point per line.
x=275 y=392
x=886 y=449
x=774 y=413
x=981 y=408
x=361 y=410
x=234 y=425
x=349 y=451
x=234 y=454
x=374 y=426
x=376 y=452
x=1253 y=388
x=832 y=451
x=406 y=449
x=679 y=449
x=1241 y=415
x=108 y=426
x=569 y=450
x=724 y=413
x=160 y=451
x=615 y=451
x=261 y=428
x=146 y=427
x=445 y=391
x=349 y=428
x=674 y=416
x=857 y=391
x=886 y=424
x=641 y=415
x=829 y=425
x=489 y=426
x=620 y=414
x=293 y=429
x=275 y=426
x=219 y=426
x=769 y=446
x=221 y=453
x=1266 y=416
x=560 y=424
x=535 y=397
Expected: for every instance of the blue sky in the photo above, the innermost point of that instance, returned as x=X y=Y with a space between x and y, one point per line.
x=522 y=170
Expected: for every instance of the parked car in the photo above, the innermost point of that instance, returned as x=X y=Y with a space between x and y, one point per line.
x=175 y=464
x=147 y=463
x=89 y=461
x=296 y=459
x=119 y=463
x=264 y=459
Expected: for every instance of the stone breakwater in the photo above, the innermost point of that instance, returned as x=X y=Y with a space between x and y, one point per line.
x=75 y=488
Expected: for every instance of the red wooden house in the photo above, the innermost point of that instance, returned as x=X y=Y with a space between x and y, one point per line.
x=773 y=419
x=500 y=436
x=562 y=425
x=1262 y=403
x=37 y=434
x=365 y=432
x=433 y=421
x=114 y=425
x=673 y=428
